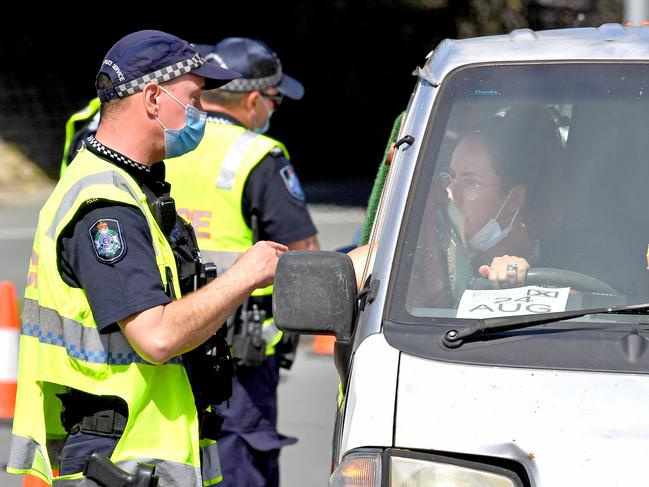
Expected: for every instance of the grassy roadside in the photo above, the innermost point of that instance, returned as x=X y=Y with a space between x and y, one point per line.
x=20 y=179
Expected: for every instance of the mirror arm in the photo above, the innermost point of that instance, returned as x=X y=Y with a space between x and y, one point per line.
x=368 y=294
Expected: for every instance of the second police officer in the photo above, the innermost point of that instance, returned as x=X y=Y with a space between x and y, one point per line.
x=236 y=188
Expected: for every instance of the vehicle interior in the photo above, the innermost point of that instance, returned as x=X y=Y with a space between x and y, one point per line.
x=590 y=216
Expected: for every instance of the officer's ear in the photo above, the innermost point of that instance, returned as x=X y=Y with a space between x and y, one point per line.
x=251 y=100
x=150 y=94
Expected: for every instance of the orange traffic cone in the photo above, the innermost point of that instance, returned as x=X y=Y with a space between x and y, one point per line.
x=323 y=344
x=9 y=338
x=31 y=481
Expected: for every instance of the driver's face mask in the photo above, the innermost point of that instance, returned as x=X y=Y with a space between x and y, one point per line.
x=491 y=234
x=186 y=139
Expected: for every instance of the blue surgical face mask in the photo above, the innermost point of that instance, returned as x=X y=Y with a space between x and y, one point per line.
x=491 y=234
x=264 y=128
x=186 y=139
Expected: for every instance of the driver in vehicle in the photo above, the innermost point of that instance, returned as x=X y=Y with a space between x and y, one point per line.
x=490 y=210
x=494 y=183
x=496 y=199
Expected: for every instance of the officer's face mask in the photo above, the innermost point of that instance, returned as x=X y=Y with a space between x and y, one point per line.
x=491 y=234
x=186 y=139
x=264 y=128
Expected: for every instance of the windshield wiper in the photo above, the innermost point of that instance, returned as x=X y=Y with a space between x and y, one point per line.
x=454 y=338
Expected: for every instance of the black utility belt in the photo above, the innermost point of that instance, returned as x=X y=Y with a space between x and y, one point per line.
x=210 y=423
x=112 y=424
x=102 y=423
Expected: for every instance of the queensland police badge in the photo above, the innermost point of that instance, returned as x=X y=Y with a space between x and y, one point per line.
x=292 y=182
x=108 y=242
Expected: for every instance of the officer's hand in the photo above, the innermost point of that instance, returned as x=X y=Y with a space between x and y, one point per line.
x=506 y=271
x=260 y=262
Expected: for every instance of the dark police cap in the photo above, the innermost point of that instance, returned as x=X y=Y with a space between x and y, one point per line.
x=152 y=56
x=258 y=64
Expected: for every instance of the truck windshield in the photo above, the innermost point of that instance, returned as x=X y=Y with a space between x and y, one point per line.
x=530 y=194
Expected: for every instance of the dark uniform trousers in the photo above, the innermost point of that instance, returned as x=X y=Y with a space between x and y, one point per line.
x=249 y=434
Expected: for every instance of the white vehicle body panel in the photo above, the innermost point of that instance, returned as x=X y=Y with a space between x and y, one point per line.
x=369 y=413
x=566 y=428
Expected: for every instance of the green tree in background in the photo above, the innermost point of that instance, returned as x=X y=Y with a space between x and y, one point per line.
x=484 y=17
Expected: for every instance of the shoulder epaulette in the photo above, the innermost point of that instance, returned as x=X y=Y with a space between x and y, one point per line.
x=276 y=152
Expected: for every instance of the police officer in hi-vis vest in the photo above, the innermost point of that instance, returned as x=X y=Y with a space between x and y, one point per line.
x=117 y=341
x=78 y=127
x=237 y=187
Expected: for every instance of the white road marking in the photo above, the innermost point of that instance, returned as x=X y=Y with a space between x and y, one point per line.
x=331 y=214
x=25 y=233
x=8 y=354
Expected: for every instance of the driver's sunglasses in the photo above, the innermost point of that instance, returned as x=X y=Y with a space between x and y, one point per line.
x=276 y=99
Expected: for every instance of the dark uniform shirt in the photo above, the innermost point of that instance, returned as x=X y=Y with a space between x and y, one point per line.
x=273 y=193
x=115 y=288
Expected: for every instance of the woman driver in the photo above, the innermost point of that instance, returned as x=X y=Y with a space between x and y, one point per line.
x=492 y=180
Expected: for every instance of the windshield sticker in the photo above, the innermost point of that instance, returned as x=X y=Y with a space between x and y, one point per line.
x=526 y=300
x=483 y=92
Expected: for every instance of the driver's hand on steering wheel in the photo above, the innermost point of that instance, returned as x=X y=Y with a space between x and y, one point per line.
x=506 y=271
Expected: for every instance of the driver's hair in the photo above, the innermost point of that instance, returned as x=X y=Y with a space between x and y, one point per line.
x=524 y=145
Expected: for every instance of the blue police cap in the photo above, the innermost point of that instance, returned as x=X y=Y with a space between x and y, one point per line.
x=204 y=50
x=258 y=64
x=152 y=56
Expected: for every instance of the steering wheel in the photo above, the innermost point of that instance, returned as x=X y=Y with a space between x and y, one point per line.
x=543 y=276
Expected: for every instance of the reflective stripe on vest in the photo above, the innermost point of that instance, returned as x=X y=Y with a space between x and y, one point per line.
x=79 y=342
x=61 y=347
x=112 y=178
x=233 y=159
x=26 y=456
x=168 y=473
x=210 y=463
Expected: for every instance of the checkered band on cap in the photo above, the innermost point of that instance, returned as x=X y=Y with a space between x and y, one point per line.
x=160 y=76
x=254 y=84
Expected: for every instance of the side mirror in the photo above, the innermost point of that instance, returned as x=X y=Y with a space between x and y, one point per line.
x=315 y=293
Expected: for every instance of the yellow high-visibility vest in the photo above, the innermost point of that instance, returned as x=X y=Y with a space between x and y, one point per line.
x=227 y=153
x=60 y=348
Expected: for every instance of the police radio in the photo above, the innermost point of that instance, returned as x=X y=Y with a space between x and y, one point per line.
x=248 y=344
x=163 y=209
x=245 y=334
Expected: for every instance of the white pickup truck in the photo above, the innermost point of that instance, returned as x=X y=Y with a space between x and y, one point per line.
x=500 y=336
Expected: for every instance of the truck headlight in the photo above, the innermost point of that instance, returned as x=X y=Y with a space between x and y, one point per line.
x=413 y=472
x=402 y=468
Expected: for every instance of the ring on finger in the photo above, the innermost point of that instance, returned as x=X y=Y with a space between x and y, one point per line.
x=512 y=267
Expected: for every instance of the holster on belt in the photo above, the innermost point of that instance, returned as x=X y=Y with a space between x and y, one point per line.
x=97 y=415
